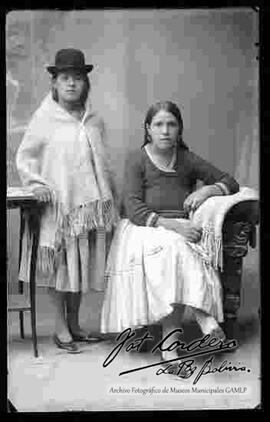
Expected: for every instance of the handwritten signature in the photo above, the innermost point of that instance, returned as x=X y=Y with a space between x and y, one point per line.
x=183 y=366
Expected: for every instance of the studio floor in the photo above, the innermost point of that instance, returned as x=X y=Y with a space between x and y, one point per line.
x=57 y=381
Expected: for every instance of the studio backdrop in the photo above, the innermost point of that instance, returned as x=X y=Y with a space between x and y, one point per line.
x=204 y=60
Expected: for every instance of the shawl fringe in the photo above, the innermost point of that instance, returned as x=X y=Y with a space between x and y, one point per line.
x=46 y=259
x=209 y=248
x=91 y=216
x=213 y=244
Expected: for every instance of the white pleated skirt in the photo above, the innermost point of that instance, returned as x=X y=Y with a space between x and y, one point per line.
x=148 y=271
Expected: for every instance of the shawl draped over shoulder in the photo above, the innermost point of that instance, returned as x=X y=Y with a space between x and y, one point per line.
x=67 y=156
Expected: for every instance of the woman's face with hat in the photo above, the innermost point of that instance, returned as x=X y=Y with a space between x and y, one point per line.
x=70 y=75
x=70 y=85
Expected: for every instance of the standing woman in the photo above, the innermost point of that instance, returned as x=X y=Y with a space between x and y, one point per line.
x=62 y=160
x=153 y=271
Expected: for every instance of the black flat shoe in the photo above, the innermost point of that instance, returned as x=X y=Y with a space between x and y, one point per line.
x=88 y=338
x=69 y=346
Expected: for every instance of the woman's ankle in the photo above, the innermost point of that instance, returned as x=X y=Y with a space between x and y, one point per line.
x=63 y=335
x=75 y=329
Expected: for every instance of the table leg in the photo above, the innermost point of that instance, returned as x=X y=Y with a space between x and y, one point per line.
x=21 y=324
x=22 y=224
x=33 y=289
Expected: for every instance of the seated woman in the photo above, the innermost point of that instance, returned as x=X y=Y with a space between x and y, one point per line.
x=152 y=270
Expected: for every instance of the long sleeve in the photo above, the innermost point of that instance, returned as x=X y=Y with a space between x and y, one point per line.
x=209 y=174
x=135 y=208
x=29 y=157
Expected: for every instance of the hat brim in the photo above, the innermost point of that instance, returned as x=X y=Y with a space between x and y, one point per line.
x=56 y=69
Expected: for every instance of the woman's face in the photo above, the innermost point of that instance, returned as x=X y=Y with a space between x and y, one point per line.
x=163 y=130
x=69 y=85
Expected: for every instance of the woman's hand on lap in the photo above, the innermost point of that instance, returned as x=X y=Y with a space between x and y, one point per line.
x=191 y=232
x=187 y=229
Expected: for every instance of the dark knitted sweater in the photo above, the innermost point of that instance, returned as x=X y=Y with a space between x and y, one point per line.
x=148 y=189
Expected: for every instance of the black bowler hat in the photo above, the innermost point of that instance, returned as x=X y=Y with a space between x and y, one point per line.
x=69 y=58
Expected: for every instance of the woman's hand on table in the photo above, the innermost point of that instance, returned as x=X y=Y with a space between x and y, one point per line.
x=187 y=229
x=195 y=199
x=42 y=194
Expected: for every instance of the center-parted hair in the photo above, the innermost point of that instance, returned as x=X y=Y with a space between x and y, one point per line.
x=168 y=106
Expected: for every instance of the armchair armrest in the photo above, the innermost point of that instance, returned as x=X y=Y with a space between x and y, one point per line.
x=239 y=228
x=245 y=211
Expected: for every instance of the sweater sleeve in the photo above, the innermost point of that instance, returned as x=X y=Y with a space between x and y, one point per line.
x=209 y=174
x=29 y=157
x=136 y=209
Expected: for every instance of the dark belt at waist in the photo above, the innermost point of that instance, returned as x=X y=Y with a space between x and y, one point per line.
x=173 y=213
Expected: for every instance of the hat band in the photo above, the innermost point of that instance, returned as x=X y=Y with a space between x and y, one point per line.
x=85 y=67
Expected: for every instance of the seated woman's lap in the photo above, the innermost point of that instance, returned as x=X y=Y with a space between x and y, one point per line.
x=171 y=269
x=150 y=269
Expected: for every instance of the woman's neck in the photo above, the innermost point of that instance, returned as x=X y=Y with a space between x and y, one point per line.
x=162 y=158
x=75 y=109
x=162 y=153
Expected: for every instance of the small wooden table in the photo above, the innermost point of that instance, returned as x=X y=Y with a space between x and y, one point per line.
x=29 y=203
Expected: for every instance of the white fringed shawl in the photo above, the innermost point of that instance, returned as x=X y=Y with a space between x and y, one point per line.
x=210 y=216
x=67 y=155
